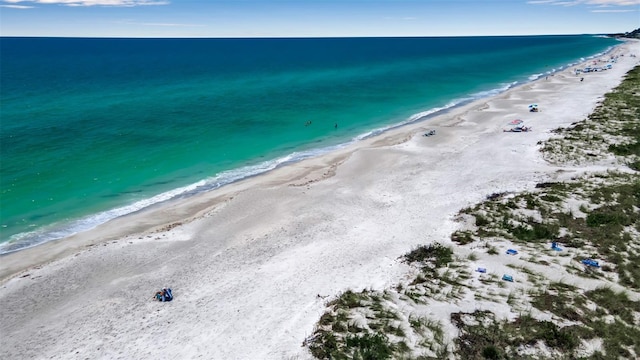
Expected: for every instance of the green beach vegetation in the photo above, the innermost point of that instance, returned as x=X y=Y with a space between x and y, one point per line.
x=375 y=325
x=593 y=216
x=611 y=133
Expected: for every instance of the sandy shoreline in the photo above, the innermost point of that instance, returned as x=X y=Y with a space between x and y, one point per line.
x=252 y=263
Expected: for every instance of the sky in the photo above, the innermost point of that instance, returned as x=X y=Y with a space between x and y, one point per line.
x=314 y=18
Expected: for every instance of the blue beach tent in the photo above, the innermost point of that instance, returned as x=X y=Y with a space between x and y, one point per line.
x=591 y=262
x=506 y=277
x=512 y=252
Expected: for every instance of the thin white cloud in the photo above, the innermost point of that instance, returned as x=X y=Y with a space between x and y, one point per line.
x=17 y=6
x=554 y=2
x=586 y=2
x=114 y=3
x=406 y=18
x=132 y=22
x=171 y=24
x=567 y=3
x=614 y=2
x=612 y=11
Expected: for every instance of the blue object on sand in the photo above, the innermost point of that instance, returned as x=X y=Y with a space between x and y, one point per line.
x=506 y=277
x=591 y=262
x=554 y=246
x=512 y=252
x=482 y=270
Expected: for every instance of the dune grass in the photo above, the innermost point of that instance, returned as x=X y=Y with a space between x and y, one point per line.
x=368 y=324
x=607 y=229
x=613 y=129
x=484 y=336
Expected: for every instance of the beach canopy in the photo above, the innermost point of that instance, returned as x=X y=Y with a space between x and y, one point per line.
x=533 y=106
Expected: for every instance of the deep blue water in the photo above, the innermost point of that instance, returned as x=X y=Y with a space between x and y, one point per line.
x=91 y=129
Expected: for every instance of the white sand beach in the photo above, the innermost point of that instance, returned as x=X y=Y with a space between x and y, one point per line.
x=253 y=264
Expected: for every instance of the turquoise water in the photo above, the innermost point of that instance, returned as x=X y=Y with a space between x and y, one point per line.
x=92 y=129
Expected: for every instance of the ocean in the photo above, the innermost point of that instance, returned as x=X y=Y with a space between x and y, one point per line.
x=94 y=129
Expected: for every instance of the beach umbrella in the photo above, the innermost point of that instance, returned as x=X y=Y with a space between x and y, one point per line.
x=515 y=122
x=533 y=106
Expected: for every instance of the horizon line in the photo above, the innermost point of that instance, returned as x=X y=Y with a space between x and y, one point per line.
x=295 y=37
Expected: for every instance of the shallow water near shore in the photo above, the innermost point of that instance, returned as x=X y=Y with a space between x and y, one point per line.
x=93 y=129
